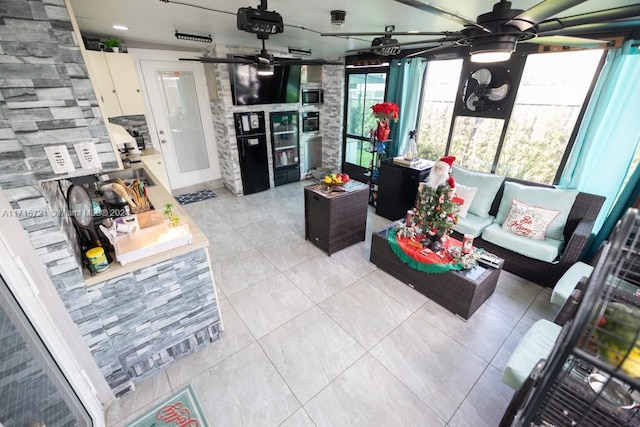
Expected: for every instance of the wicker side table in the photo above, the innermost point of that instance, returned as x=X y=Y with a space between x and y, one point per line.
x=335 y=220
x=461 y=292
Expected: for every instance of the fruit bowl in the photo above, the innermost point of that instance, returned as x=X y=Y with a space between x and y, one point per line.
x=332 y=179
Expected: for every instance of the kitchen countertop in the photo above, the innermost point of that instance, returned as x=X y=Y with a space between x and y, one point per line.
x=158 y=197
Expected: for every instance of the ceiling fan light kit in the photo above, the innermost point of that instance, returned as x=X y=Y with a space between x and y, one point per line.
x=493 y=48
x=337 y=18
x=265 y=68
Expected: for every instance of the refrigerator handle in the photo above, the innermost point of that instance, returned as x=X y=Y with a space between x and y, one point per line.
x=242 y=142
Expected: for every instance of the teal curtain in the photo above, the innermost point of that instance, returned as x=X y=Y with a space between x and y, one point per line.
x=404 y=88
x=609 y=132
x=628 y=198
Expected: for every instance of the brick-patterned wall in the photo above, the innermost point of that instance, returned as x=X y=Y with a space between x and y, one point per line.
x=333 y=112
x=331 y=118
x=46 y=98
x=144 y=317
x=137 y=123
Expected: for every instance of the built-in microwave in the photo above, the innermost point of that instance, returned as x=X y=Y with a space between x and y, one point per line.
x=310 y=121
x=312 y=96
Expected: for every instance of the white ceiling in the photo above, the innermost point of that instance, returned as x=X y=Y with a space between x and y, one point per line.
x=154 y=21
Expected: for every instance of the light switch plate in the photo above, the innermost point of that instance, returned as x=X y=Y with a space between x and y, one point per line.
x=59 y=158
x=88 y=156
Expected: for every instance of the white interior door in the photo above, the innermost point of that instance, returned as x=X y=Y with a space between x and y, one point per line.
x=179 y=104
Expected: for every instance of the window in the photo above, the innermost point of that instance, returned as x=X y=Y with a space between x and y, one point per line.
x=549 y=99
x=438 y=99
x=363 y=90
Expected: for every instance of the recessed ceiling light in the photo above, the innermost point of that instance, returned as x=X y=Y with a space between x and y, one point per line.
x=120 y=27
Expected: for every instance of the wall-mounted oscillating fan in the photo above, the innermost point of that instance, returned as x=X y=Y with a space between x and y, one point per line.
x=483 y=92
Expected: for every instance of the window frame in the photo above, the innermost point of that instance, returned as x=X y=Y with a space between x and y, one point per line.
x=571 y=141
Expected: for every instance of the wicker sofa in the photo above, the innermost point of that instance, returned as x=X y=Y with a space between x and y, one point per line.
x=577 y=232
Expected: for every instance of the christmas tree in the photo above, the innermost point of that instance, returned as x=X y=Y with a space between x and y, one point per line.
x=435 y=211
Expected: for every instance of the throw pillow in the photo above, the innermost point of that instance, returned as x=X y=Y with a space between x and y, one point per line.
x=545 y=197
x=466 y=194
x=487 y=185
x=528 y=221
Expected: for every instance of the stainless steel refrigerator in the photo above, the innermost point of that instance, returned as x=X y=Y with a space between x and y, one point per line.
x=252 y=151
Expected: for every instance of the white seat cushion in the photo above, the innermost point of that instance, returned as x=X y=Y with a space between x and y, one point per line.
x=565 y=285
x=544 y=250
x=536 y=344
x=473 y=224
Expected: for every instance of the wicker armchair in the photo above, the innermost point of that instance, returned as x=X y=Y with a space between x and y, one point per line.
x=576 y=234
x=565 y=314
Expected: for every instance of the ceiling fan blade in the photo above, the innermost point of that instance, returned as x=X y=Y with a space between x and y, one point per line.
x=444 y=14
x=471 y=102
x=498 y=93
x=432 y=50
x=210 y=60
x=399 y=33
x=603 y=27
x=310 y=61
x=482 y=76
x=568 y=41
x=601 y=17
x=417 y=42
x=540 y=12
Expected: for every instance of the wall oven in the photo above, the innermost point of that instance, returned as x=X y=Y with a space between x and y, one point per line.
x=310 y=121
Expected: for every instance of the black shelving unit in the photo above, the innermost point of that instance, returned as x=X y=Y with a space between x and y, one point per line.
x=379 y=151
x=285 y=146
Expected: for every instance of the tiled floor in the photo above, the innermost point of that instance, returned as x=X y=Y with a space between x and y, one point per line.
x=333 y=341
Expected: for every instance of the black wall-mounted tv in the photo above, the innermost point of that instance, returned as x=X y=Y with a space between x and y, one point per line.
x=248 y=88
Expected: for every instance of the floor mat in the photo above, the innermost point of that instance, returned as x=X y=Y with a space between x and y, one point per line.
x=185 y=199
x=181 y=409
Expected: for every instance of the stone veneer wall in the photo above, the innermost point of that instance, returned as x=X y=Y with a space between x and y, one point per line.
x=331 y=120
x=332 y=115
x=137 y=123
x=46 y=98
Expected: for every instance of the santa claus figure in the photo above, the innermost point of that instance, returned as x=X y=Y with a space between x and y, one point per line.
x=440 y=173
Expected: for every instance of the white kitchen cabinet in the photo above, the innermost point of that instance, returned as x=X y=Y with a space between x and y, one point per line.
x=103 y=84
x=155 y=164
x=116 y=83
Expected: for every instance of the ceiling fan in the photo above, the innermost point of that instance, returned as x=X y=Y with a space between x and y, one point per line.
x=263 y=23
x=493 y=36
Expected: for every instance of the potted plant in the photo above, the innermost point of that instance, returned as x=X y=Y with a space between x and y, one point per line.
x=113 y=44
x=173 y=219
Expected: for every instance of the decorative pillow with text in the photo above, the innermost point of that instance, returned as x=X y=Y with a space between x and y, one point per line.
x=528 y=221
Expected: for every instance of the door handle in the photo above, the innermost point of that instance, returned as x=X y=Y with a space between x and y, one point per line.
x=161 y=132
x=164 y=141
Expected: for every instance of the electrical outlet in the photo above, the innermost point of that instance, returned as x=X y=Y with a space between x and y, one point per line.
x=88 y=156
x=59 y=159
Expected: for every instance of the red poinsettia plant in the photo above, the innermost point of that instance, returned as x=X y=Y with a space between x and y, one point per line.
x=386 y=111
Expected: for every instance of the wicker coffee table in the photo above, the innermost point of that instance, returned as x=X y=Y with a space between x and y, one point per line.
x=461 y=292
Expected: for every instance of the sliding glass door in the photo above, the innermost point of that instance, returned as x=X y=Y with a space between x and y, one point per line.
x=365 y=87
